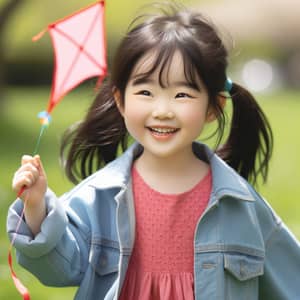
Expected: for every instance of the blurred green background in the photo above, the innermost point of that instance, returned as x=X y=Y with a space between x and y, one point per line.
x=264 y=44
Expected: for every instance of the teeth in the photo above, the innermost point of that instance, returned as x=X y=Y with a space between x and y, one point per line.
x=164 y=130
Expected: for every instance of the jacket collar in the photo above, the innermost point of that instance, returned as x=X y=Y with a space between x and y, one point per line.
x=226 y=181
x=117 y=173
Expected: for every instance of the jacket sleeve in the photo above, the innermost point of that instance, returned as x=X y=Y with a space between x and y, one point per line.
x=282 y=264
x=58 y=254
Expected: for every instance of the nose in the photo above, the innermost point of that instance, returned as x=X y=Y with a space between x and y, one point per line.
x=162 y=109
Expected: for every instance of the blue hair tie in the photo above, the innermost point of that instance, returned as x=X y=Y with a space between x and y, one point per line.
x=228 y=85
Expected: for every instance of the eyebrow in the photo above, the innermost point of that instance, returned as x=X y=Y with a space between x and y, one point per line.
x=142 y=80
x=137 y=80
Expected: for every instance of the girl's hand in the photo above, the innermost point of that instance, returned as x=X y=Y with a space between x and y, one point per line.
x=32 y=176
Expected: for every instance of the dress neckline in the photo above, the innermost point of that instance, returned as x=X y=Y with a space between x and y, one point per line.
x=203 y=181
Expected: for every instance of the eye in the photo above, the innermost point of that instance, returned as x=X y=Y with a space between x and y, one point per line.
x=143 y=93
x=183 y=95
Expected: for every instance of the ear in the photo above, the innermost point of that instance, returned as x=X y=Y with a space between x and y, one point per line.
x=118 y=97
x=211 y=113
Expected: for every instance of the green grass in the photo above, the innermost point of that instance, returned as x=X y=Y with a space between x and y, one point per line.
x=19 y=129
x=282 y=189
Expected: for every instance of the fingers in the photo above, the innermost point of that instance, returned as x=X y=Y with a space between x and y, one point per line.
x=29 y=172
x=38 y=161
x=30 y=159
x=33 y=160
x=27 y=176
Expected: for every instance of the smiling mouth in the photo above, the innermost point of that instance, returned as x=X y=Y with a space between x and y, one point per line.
x=163 y=130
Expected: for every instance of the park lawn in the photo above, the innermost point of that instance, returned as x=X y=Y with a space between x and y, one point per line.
x=19 y=130
x=282 y=189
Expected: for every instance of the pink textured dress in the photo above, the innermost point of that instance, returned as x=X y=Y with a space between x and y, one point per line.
x=161 y=266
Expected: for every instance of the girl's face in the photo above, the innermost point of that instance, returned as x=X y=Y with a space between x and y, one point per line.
x=166 y=119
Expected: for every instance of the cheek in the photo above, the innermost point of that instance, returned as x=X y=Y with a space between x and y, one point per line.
x=194 y=122
x=194 y=117
x=133 y=113
x=134 y=119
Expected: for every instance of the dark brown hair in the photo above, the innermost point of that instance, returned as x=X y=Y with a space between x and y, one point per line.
x=97 y=139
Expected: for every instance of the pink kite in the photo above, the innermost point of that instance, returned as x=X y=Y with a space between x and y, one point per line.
x=80 y=50
x=80 y=53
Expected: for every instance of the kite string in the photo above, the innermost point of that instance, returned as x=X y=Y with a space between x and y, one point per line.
x=18 y=284
x=38 y=143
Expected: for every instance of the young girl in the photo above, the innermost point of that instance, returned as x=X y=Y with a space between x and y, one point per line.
x=169 y=218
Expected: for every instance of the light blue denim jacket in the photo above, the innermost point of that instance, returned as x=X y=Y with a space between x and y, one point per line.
x=242 y=250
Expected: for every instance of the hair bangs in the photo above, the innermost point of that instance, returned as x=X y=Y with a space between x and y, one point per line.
x=162 y=60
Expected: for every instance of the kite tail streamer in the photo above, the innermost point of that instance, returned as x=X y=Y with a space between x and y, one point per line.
x=45 y=120
x=18 y=284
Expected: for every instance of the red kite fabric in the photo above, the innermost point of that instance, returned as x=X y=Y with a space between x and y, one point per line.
x=80 y=53
x=80 y=50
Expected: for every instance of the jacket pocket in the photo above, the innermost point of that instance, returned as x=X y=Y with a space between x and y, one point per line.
x=104 y=257
x=241 y=274
x=243 y=267
x=102 y=271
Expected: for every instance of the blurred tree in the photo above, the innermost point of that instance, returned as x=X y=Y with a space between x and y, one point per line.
x=6 y=12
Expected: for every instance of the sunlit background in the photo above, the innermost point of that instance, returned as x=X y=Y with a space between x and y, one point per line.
x=263 y=38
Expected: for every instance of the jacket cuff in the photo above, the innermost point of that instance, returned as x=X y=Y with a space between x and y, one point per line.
x=52 y=228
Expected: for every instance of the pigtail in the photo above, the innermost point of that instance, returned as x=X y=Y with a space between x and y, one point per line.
x=249 y=146
x=94 y=142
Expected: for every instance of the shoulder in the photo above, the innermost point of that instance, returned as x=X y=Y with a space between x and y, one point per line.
x=263 y=213
x=227 y=182
x=267 y=218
